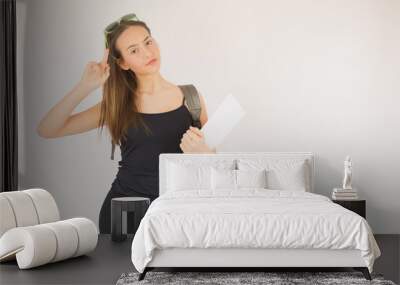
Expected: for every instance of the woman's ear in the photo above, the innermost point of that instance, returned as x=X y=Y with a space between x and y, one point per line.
x=122 y=64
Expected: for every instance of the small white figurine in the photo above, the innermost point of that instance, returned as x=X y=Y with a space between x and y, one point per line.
x=347 y=173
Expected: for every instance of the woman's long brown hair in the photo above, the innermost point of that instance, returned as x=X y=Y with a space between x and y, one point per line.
x=118 y=106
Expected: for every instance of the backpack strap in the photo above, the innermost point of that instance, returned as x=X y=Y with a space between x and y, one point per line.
x=112 y=150
x=191 y=96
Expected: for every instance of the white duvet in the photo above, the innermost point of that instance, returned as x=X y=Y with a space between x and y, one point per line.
x=250 y=218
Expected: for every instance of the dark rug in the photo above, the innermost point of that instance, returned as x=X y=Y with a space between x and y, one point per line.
x=229 y=278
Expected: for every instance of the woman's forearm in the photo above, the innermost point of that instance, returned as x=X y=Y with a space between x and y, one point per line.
x=211 y=150
x=55 y=119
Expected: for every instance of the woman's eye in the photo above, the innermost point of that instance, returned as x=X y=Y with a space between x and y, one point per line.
x=149 y=42
x=133 y=51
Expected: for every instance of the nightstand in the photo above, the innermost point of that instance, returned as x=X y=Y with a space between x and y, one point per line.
x=357 y=206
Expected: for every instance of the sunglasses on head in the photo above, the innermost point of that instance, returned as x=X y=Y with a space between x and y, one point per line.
x=110 y=28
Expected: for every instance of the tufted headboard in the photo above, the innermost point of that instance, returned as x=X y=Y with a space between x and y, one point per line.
x=204 y=158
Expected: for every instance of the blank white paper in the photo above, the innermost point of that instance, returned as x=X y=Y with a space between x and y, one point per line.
x=223 y=120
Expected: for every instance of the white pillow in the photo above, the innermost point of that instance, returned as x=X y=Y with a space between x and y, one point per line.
x=282 y=174
x=255 y=178
x=293 y=178
x=223 y=179
x=188 y=173
x=181 y=177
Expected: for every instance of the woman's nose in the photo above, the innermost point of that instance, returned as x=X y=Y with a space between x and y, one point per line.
x=148 y=54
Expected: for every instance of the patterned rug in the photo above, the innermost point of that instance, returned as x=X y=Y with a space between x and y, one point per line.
x=270 y=278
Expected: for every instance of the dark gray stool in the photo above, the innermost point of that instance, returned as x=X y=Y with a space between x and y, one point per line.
x=138 y=205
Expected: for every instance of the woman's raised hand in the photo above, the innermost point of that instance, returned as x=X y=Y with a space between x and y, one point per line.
x=96 y=73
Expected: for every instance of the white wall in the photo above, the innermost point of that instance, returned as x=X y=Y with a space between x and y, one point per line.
x=318 y=76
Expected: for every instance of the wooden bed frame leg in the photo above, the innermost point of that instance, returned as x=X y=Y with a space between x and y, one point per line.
x=364 y=271
x=143 y=274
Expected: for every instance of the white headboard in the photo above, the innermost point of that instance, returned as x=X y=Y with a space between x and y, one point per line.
x=164 y=157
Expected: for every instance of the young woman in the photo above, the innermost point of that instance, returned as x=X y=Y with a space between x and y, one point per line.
x=145 y=114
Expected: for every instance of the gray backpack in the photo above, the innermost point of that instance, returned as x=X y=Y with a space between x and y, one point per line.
x=191 y=97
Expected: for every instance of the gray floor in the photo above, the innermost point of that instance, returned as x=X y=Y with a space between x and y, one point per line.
x=105 y=264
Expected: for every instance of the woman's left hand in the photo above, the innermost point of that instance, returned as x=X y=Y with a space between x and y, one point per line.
x=193 y=142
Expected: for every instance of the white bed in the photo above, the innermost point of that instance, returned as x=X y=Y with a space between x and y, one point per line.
x=248 y=226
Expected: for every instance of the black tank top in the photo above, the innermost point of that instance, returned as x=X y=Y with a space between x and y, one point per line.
x=138 y=167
